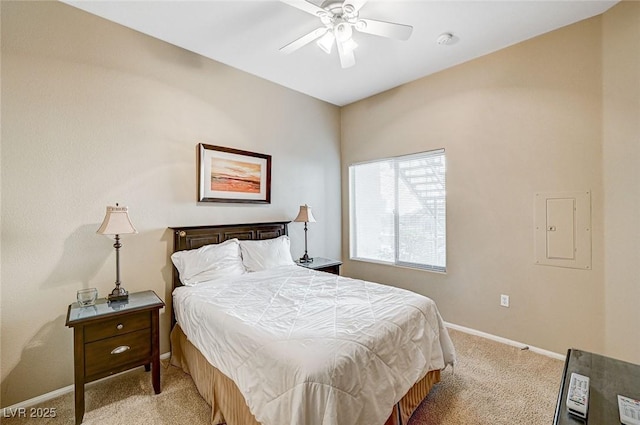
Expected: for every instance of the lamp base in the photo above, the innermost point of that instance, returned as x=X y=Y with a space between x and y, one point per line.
x=118 y=294
x=305 y=259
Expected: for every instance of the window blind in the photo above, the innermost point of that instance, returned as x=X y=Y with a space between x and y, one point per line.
x=398 y=210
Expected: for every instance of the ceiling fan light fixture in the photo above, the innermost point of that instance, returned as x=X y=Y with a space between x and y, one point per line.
x=361 y=25
x=343 y=32
x=326 y=42
x=339 y=19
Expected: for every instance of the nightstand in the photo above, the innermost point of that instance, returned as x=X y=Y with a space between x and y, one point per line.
x=323 y=265
x=111 y=337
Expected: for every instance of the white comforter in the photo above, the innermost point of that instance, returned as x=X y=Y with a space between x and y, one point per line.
x=312 y=348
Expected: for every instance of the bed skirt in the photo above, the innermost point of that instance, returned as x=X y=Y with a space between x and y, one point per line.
x=227 y=403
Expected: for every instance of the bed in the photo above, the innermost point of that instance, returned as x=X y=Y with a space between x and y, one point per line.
x=284 y=344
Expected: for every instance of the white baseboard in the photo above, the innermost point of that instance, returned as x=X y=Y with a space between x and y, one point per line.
x=62 y=391
x=520 y=345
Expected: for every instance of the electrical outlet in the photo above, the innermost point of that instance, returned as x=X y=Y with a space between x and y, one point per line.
x=504 y=300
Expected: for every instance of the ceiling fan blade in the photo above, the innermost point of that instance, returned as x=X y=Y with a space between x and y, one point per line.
x=347 y=58
x=356 y=4
x=384 y=29
x=307 y=7
x=304 y=40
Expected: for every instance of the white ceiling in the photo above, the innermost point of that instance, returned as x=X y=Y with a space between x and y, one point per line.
x=248 y=35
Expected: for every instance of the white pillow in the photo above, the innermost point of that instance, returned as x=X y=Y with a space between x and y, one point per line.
x=209 y=262
x=266 y=254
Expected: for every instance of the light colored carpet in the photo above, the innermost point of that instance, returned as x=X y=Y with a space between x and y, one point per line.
x=492 y=383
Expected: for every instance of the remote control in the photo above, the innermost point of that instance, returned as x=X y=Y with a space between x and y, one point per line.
x=629 y=410
x=578 y=395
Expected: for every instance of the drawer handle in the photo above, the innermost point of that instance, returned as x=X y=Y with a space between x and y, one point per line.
x=121 y=349
x=120 y=326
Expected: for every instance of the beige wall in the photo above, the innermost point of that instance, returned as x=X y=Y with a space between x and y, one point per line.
x=621 y=153
x=93 y=114
x=522 y=120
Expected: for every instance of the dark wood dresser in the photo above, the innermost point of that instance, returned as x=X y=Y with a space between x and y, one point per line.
x=608 y=379
x=111 y=337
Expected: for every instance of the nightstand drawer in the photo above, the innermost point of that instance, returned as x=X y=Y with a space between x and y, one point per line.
x=335 y=269
x=110 y=353
x=117 y=326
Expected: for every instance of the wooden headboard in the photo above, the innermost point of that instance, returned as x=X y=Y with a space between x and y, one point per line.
x=194 y=237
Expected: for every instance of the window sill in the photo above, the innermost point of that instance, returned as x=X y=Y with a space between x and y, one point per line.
x=401 y=265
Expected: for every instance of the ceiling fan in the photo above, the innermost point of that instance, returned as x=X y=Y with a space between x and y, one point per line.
x=339 y=19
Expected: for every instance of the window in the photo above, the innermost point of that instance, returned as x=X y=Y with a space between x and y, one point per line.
x=398 y=211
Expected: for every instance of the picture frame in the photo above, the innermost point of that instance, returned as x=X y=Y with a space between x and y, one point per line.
x=233 y=175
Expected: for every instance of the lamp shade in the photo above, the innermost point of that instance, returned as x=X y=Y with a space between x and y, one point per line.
x=116 y=222
x=326 y=42
x=305 y=215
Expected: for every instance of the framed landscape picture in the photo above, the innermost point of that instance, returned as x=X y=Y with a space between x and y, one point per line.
x=232 y=175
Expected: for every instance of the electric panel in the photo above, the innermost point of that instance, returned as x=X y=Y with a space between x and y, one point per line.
x=560 y=226
x=563 y=229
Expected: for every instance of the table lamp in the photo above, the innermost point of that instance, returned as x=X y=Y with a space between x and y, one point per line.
x=116 y=222
x=305 y=216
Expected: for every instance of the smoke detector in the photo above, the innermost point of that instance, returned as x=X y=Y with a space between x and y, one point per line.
x=445 y=39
